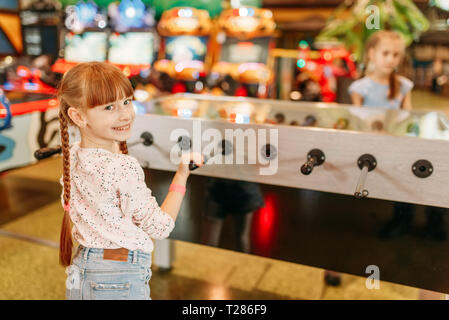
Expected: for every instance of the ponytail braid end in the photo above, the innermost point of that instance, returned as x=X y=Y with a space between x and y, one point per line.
x=65 y=239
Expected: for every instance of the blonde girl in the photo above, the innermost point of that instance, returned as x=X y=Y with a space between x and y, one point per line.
x=381 y=86
x=104 y=196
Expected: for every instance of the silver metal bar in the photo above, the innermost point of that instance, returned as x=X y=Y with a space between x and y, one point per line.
x=360 y=192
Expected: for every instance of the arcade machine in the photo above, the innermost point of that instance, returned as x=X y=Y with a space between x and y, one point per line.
x=322 y=67
x=85 y=36
x=40 y=28
x=30 y=73
x=133 y=44
x=183 y=59
x=245 y=39
x=317 y=74
x=29 y=120
x=10 y=31
x=328 y=190
x=127 y=41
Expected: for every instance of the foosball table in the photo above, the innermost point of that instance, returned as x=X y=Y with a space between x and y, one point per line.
x=330 y=174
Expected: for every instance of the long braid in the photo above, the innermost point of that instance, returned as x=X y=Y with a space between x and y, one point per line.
x=123 y=147
x=65 y=241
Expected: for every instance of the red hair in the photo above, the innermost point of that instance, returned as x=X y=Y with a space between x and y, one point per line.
x=86 y=85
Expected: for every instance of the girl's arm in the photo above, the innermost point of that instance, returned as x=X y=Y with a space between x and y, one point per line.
x=356 y=99
x=173 y=200
x=407 y=102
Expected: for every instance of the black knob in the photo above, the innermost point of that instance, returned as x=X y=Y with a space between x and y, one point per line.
x=269 y=151
x=280 y=117
x=194 y=166
x=307 y=167
x=315 y=157
x=147 y=138
x=309 y=121
x=226 y=147
x=367 y=160
x=422 y=168
x=184 y=143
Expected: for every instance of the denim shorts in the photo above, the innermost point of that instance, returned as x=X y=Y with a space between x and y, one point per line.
x=89 y=277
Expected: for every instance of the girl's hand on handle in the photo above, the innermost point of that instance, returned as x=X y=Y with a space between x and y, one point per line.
x=186 y=158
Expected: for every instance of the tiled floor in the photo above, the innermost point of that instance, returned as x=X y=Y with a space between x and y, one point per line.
x=30 y=206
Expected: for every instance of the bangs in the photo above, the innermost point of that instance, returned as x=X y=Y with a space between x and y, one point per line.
x=106 y=84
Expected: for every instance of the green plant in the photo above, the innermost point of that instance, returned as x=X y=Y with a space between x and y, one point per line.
x=355 y=20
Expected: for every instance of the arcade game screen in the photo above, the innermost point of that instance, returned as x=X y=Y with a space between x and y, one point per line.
x=131 y=48
x=185 y=48
x=84 y=47
x=238 y=51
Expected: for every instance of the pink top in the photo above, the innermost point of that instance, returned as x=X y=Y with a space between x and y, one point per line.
x=111 y=206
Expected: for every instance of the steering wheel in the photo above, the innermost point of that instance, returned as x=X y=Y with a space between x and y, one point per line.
x=5 y=122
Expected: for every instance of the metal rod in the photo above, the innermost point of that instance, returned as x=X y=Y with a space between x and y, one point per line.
x=132 y=144
x=360 y=192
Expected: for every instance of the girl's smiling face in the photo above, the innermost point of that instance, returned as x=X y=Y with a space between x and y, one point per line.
x=112 y=120
x=104 y=124
x=386 y=55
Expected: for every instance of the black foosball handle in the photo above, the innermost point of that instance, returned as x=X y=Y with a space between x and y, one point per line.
x=44 y=153
x=193 y=165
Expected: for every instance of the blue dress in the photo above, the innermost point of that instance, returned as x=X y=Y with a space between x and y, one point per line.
x=376 y=94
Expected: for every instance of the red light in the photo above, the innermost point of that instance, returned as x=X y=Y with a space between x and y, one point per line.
x=179 y=87
x=245 y=44
x=264 y=226
x=241 y=92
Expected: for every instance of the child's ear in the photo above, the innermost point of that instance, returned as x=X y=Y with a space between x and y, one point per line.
x=77 y=117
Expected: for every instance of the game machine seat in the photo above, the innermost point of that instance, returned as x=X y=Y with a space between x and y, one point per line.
x=245 y=38
x=183 y=55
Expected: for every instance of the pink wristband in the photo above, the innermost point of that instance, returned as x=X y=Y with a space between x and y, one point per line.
x=177 y=188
